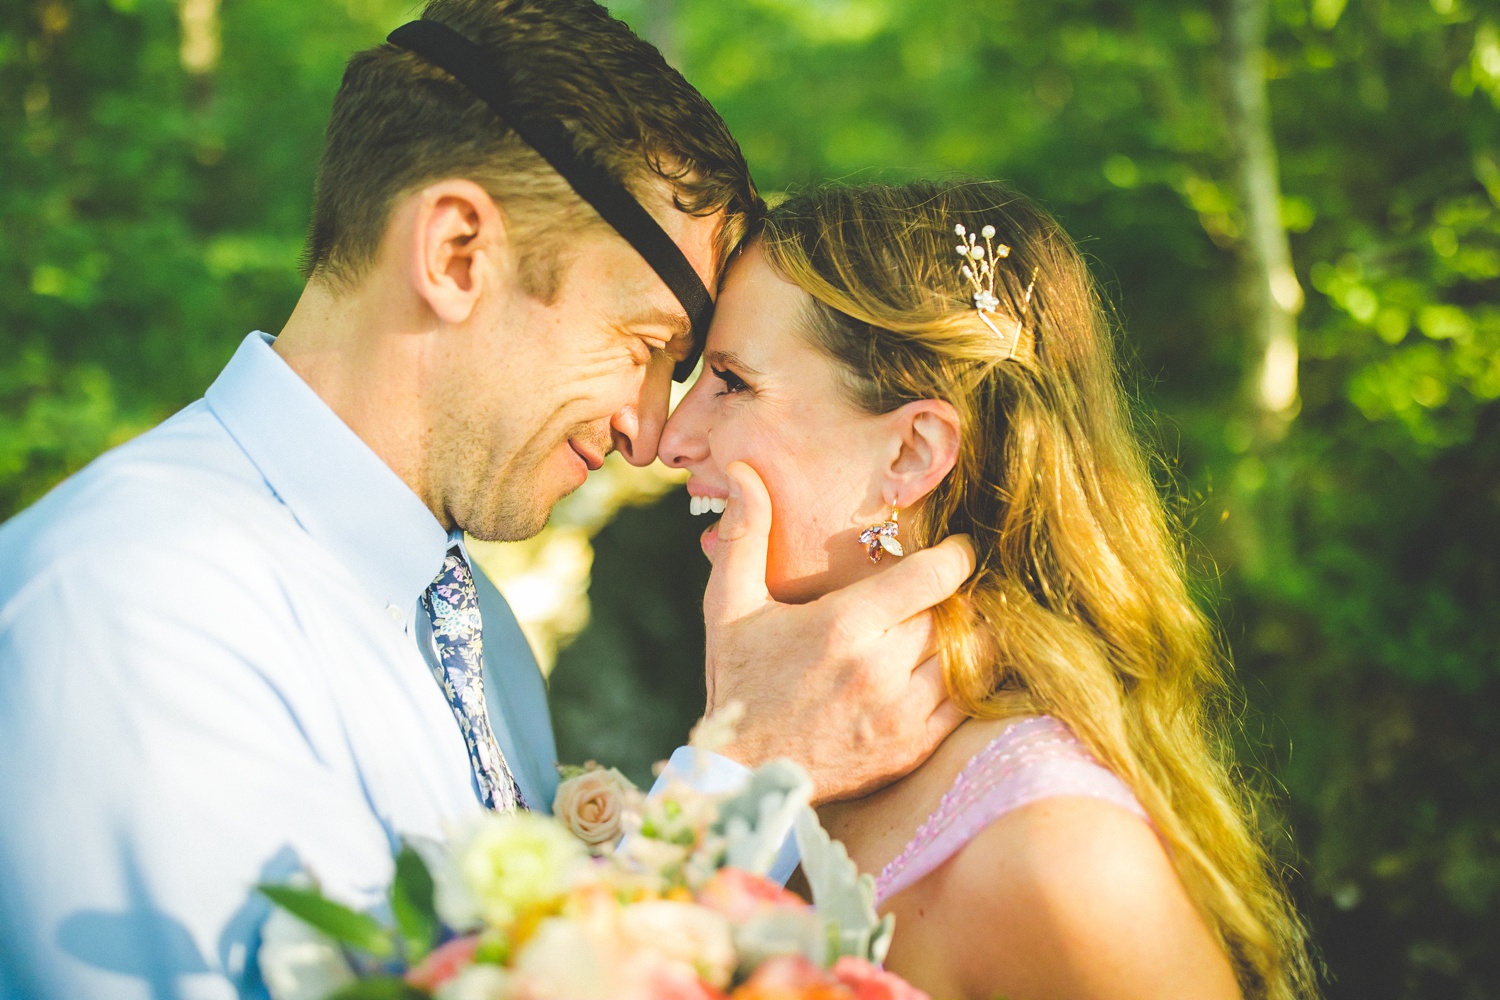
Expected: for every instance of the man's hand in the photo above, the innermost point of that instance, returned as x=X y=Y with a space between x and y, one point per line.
x=847 y=686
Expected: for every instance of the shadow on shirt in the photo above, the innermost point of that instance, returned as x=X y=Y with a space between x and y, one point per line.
x=144 y=942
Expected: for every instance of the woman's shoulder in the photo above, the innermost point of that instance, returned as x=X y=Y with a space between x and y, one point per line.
x=1041 y=875
x=1073 y=896
x=1059 y=854
x=1007 y=765
x=1065 y=897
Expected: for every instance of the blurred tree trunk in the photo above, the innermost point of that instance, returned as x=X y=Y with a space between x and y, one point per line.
x=200 y=47
x=1274 y=297
x=1260 y=488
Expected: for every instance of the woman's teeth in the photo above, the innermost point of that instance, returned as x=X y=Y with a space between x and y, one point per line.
x=706 y=505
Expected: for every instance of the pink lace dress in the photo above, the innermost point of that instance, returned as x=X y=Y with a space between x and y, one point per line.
x=1034 y=758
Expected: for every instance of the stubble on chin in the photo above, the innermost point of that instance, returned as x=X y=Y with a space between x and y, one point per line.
x=494 y=504
x=506 y=498
x=509 y=522
x=509 y=508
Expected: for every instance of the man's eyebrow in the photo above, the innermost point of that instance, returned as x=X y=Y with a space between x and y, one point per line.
x=728 y=359
x=673 y=320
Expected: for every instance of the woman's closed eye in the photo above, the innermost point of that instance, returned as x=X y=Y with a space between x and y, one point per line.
x=732 y=382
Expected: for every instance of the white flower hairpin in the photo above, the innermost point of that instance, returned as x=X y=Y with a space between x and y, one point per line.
x=979 y=268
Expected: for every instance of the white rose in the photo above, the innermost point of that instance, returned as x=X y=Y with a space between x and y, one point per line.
x=593 y=804
x=561 y=962
x=686 y=933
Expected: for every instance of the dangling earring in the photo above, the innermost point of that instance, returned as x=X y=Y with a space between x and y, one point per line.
x=879 y=538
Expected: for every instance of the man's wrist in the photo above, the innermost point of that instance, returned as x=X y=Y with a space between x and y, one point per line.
x=748 y=752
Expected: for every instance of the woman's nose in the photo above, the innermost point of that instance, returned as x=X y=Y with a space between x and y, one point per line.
x=684 y=440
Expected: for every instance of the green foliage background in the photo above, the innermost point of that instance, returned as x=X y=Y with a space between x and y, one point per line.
x=152 y=215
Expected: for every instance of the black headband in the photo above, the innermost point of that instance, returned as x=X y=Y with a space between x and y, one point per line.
x=470 y=66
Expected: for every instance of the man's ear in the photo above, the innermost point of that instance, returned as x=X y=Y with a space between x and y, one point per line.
x=459 y=244
x=926 y=436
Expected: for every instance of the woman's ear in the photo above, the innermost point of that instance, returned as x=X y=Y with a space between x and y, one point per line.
x=458 y=241
x=926 y=438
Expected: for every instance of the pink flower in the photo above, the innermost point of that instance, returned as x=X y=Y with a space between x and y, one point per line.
x=444 y=963
x=871 y=982
x=740 y=895
x=673 y=982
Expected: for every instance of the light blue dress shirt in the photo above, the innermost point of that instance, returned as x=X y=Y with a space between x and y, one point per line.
x=212 y=673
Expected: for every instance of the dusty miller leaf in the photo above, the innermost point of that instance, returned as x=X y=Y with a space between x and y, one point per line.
x=843 y=896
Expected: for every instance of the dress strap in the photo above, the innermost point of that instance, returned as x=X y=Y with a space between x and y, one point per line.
x=1032 y=759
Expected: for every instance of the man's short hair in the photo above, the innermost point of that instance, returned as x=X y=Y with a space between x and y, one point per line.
x=399 y=123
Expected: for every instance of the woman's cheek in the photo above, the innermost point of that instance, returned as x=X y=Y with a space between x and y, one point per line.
x=799 y=532
x=734 y=438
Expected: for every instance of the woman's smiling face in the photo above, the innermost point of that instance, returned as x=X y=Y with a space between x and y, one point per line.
x=769 y=398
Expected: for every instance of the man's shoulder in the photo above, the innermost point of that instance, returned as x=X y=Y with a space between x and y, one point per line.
x=166 y=559
x=181 y=486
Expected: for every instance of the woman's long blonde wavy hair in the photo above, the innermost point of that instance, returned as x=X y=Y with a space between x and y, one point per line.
x=1078 y=607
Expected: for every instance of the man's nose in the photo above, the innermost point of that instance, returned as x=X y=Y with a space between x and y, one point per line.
x=636 y=428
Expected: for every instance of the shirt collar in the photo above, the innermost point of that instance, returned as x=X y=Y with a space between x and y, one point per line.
x=339 y=490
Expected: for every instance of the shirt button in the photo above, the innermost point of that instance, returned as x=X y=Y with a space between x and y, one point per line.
x=394 y=613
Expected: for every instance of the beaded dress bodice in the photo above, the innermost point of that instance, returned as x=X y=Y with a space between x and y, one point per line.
x=1034 y=758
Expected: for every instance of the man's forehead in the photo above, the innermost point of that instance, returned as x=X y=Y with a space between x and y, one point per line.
x=650 y=303
x=641 y=304
x=697 y=236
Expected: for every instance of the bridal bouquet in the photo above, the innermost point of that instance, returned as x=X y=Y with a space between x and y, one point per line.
x=529 y=907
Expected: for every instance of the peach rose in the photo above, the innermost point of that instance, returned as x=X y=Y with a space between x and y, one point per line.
x=690 y=936
x=740 y=895
x=791 y=976
x=592 y=805
x=673 y=982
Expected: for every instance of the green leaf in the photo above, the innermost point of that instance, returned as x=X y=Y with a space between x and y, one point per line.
x=755 y=821
x=412 y=905
x=383 y=988
x=494 y=948
x=843 y=895
x=346 y=926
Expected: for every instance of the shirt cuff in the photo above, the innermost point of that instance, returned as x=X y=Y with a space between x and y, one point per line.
x=712 y=774
x=702 y=771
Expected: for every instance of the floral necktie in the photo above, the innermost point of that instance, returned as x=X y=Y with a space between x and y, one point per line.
x=457 y=633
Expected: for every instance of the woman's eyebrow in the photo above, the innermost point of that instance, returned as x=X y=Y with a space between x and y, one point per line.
x=728 y=359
